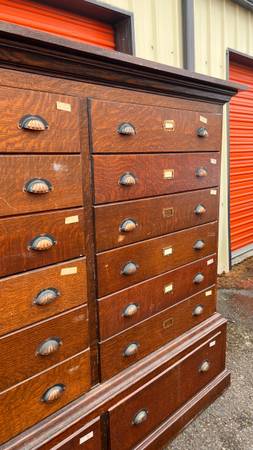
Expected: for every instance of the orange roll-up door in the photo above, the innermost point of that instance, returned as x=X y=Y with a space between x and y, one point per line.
x=58 y=22
x=241 y=159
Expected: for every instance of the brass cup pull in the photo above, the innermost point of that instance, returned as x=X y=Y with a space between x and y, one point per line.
x=128 y=225
x=202 y=132
x=199 y=245
x=201 y=172
x=54 y=393
x=198 y=310
x=131 y=349
x=38 y=186
x=126 y=129
x=130 y=268
x=199 y=210
x=130 y=310
x=127 y=179
x=42 y=243
x=198 y=278
x=140 y=417
x=49 y=346
x=46 y=296
x=34 y=123
x=205 y=366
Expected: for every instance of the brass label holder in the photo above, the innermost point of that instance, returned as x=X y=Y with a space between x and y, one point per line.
x=169 y=125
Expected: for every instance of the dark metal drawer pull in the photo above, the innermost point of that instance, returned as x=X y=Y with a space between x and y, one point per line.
x=198 y=278
x=49 y=346
x=130 y=310
x=140 y=417
x=128 y=225
x=46 y=296
x=38 y=186
x=201 y=172
x=129 y=269
x=198 y=310
x=199 y=245
x=205 y=366
x=131 y=349
x=202 y=132
x=42 y=243
x=127 y=179
x=199 y=210
x=34 y=123
x=126 y=129
x=54 y=393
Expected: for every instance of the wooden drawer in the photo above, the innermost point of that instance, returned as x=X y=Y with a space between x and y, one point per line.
x=123 y=267
x=58 y=183
x=63 y=228
x=153 y=217
x=162 y=327
x=156 y=129
x=42 y=293
x=62 y=133
x=166 y=393
x=152 y=174
x=83 y=436
x=120 y=311
x=22 y=406
x=38 y=347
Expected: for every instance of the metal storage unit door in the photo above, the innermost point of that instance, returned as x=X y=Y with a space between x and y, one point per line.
x=241 y=162
x=58 y=22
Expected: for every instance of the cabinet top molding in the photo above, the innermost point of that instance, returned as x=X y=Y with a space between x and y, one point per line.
x=31 y=50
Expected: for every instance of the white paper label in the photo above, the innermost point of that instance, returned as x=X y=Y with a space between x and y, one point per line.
x=167 y=251
x=169 y=125
x=71 y=219
x=63 y=106
x=213 y=192
x=213 y=161
x=210 y=261
x=168 y=174
x=212 y=344
x=208 y=293
x=168 y=288
x=86 y=437
x=203 y=119
x=69 y=271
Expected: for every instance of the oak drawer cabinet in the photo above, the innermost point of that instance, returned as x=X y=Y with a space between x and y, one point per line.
x=108 y=256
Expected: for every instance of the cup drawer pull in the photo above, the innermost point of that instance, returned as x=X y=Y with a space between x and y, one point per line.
x=49 y=346
x=128 y=225
x=199 y=245
x=42 y=243
x=131 y=349
x=34 y=123
x=127 y=179
x=126 y=129
x=198 y=278
x=202 y=132
x=198 y=310
x=38 y=186
x=201 y=172
x=53 y=393
x=199 y=210
x=130 y=268
x=130 y=310
x=46 y=296
x=140 y=417
x=205 y=366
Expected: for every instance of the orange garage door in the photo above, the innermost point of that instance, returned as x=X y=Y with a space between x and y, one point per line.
x=241 y=162
x=58 y=22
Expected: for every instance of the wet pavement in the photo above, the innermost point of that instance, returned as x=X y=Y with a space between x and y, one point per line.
x=228 y=423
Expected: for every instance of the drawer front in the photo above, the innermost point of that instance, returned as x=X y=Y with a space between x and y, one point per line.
x=123 y=267
x=120 y=311
x=59 y=235
x=36 y=348
x=151 y=128
x=39 y=183
x=123 y=223
x=29 y=402
x=162 y=328
x=125 y=177
x=42 y=293
x=80 y=436
x=165 y=394
x=36 y=121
